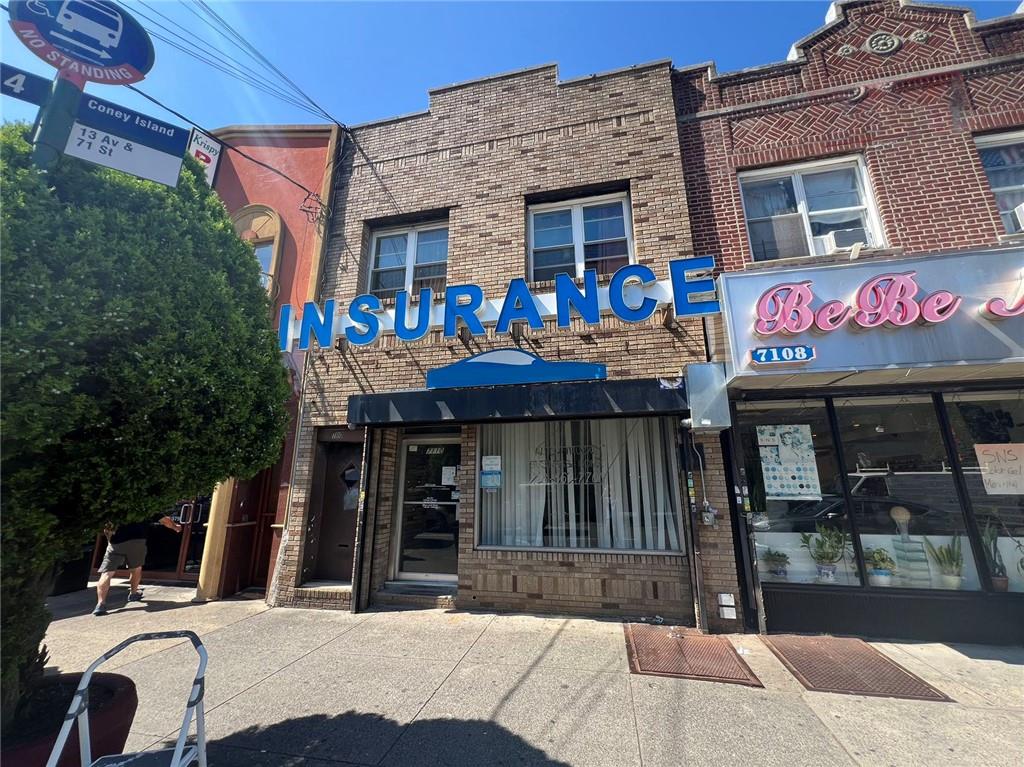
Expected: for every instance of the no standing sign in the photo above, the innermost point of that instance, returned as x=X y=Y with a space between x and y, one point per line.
x=87 y=40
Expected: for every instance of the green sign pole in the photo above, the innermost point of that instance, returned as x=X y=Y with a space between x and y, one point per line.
x=53 y=126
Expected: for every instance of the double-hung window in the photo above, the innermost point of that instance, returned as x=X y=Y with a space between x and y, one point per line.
x=409 y=259
x=573 y=236
x=812 y=209
x=1003 y=159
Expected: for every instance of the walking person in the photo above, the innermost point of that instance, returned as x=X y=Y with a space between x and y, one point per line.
x=126 y=550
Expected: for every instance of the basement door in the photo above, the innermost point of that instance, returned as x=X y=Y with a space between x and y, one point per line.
x=428 y=531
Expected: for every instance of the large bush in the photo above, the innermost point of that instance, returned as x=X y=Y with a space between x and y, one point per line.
x=139 y=366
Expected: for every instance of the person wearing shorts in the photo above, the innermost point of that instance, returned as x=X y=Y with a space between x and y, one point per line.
x=126 y=550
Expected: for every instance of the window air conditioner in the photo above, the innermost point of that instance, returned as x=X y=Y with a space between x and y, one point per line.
x=844 y=239
x=1018 y=213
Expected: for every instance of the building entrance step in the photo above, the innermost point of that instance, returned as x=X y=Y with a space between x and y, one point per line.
x=413 y=594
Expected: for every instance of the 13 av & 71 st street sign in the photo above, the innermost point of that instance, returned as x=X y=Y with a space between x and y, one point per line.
x=87 y=40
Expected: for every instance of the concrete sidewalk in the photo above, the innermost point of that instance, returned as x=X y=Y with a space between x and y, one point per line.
x=290 y=687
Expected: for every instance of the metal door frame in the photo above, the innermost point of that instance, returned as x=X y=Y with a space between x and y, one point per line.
x=396 y=538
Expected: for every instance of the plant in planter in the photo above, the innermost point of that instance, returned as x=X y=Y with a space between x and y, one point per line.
x=949 y=558
x=826 y=548
x=776 y=562
x=990 y=536
x=881 y=566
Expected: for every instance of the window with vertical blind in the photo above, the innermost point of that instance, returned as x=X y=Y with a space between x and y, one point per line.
x=601 y=484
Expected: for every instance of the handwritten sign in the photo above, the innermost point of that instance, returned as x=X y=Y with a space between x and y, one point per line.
x=1002 y=468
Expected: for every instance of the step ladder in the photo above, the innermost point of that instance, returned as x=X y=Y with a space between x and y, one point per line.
x=182 y=755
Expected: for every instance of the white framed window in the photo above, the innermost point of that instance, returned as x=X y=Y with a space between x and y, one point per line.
x=576 y=235
x=409 y=258
x=1003 y=159
x=607 y=484
x=811 y=209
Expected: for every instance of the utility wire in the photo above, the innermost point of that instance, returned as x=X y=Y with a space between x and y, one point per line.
x=226 y=144
x=255 y=51
x=217 y=60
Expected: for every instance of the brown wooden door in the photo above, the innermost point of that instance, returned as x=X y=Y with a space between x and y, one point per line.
x=335 y=542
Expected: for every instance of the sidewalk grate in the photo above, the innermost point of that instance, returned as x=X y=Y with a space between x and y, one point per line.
x=848 y=666
x=675 y=652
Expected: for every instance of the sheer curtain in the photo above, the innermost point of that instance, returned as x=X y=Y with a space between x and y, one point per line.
x=602 y=484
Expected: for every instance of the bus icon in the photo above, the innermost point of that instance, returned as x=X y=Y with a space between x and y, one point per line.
x=91 y=19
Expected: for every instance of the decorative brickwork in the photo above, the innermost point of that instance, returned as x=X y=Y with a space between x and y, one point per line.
x=908 y=114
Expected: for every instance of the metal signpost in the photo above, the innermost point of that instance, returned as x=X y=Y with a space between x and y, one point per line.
x=109 y=134
x=86 y=40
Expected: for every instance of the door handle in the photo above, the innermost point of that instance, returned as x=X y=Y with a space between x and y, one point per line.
x=186 y=519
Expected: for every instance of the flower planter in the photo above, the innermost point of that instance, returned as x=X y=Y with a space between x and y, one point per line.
x=951 y=581
x=1000 y=583
x=112 y=704
x=880 y=577
x=827 y=573
x=778 y=572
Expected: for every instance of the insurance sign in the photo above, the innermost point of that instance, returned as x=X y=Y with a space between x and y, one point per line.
x=87 y=40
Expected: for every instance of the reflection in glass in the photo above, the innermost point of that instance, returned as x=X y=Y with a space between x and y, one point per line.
x=988 y=430
x=430 y=527
x=801 y=530
x=904 y=497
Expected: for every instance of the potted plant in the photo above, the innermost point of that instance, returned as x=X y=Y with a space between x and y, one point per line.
x=881 y=566
x=776 y=562
x=990 y=536
x=826 y=548
x=950 y=560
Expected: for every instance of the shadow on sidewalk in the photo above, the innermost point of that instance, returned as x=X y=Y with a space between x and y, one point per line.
x=371 y=739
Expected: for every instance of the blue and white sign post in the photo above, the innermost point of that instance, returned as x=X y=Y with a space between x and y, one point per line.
x=86 y=40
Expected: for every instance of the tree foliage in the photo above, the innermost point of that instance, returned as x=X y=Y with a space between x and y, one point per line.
x=139 y=366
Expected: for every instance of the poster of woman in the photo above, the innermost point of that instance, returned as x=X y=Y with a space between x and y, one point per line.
x=787 y=462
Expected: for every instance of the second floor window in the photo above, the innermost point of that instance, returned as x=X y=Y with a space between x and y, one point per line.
x=265 y=255
x=808 y=210
x=409 y=259
x=573 y=236
x=1003 y=159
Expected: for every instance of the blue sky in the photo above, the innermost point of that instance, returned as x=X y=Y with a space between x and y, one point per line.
x=367 y=61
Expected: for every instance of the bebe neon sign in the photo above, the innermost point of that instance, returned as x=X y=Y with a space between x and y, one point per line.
x=888 y=300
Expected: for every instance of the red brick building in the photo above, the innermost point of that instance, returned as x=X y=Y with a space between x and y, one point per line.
x=891 y=137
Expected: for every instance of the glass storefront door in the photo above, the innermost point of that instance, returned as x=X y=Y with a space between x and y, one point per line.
x=428 y=527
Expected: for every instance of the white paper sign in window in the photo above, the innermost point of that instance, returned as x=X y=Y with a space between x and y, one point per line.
x=1002 y=468
x=787 y=462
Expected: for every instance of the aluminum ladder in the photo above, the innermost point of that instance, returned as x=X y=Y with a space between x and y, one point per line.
x=182 y=755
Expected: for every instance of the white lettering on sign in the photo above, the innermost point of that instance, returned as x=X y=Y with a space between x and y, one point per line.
x=112 y=151
x=1002 y=468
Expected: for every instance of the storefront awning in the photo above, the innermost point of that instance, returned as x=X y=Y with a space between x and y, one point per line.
x=591 y=399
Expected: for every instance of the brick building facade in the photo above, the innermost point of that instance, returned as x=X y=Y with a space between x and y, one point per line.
x=477 y=162
x=893 y=132
x=882 y=137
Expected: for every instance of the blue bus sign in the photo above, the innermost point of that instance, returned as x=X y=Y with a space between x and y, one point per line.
x=87 y=40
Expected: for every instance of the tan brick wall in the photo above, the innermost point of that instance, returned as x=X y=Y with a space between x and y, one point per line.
x=479 y=152
x=717 y=553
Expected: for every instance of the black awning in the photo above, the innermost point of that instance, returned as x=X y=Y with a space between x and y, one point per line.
x=589 y=399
